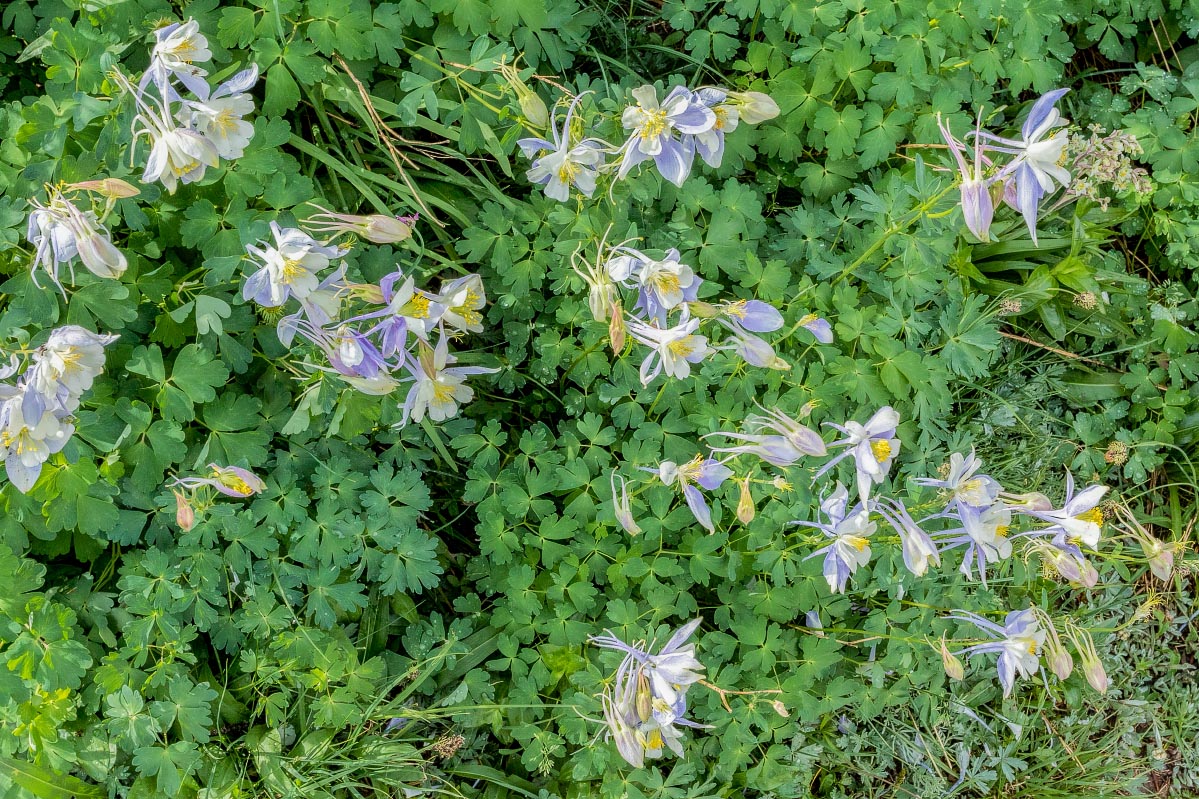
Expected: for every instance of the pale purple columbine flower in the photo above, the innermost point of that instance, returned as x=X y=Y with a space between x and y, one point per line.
x=984 y=533
x=60 y=232
x=287 y=269
x=706 y=473
x=873 y=447
x=662 y=285
x=220 y=116
x=648 y=696
x=1019 y=643
x=232 y=481
x=1038 y=155
x=564 y=165
x=653 y=127
x=964 y=486
x=918 y=547
x=407 y=310
x=978 y=208
x=744 y=318
x=673 y=349
x=1078 y=520
x=620 y=505
x=850 y=529
x=818 y=327
x=787 y=442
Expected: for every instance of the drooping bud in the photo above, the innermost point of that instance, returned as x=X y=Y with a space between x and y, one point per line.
x=745 y=505
x=977 y=208
x=383 y=229
x=754 y=107
x=1092 y=667
x=953 y=666
x=113 y=188
x=1033 y=500
x=185 y=515
x=1060 y=662
x=532 y=107
x=645 y=700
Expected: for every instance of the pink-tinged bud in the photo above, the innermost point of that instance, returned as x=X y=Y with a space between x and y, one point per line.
x=1161 y=560
x=1060 y=663
x=780 y=708
x=1095 y=674
x=114 y=188
x=1092 y=667
x=953 y=667
x=977 y=208
x=1033 y=500
x=185 y=515
x=616 y=329
x=754 y=107
x=745 y=506
x=381 y=229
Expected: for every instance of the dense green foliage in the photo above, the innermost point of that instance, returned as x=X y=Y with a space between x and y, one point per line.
x=448 y=574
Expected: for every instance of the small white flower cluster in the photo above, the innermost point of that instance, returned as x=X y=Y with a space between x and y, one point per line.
x=35 y=413
x=60 y=231
x=189 y=134
x=391 y=329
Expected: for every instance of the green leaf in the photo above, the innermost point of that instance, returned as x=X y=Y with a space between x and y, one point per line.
x=170 y=763
x=46 y=784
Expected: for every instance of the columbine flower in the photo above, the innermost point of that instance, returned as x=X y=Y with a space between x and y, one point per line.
x=462 y=299
x=220 y=117
x=662 y=285
x=964 y=488
x=564 y=165
x=819 y=328
x=289 y=268
x=232 y=481
x=438 y=388
x=977 y=206
x=1037 y=163
x=674 y=349
x=29 y=435
x=1079 y=519
x=984 y=532
x=60 y=232
x=1019 y=644
x=375 y=228
x=1159 y=554
x=918 y=547
x=65 y=367
x=648 y=696
x=788 y=442
x=710 y=143
x=873 y=447
x=177 y=49
x=620 y=505
x=707 y=473
x=653 y=128
x=850 y=530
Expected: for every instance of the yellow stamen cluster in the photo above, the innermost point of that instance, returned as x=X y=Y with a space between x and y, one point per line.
x=655 y=124
x=1094 y=515
x=881 y=450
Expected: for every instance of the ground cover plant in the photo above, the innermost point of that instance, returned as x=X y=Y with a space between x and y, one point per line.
x=572 y=399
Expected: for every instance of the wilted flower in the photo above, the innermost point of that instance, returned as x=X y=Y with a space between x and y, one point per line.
x=873 y=447
x=850 y=530
x=788 y=442
x=707 y=473
x=653 y=127
x=60 y=232
x=564 y=165
x=1019 y=644
x=232 y=481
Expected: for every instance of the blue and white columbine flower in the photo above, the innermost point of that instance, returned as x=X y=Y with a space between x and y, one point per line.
x=648 y=696
x=662 y=285
x=673 y=349
x=1079 y=520
x=918 y=547
x=966 y=488
x=220 y=116
x=289 y=268
x=60 y=232
x=1019 y=644
x=653 y=127
x=706 y=473
x=873 y=447
x=564 y=165
x=850 y=529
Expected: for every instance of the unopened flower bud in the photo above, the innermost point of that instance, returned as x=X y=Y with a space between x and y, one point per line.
x=383 y=229
x=953 y=667
x=780 y=708
x=745 y=506
x=703 y=310
x=616 y=329
x=185 y=516
x=754 y=107
x=532 y=107
x=1033 y=500
x=114 y=188
x=644 y=700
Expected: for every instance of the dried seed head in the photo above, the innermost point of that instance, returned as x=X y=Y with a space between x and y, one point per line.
x=1116 y=453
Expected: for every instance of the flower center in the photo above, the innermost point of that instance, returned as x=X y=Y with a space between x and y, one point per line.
x=417 y=307
x=881 y=449
x=655 y=124
x=682 y=347
x=1094 y=516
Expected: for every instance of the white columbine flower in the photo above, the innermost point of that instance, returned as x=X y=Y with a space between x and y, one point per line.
x=177 y=49
x=287 y=269
x=220 y=117
x=873 y=447
x=674 y=349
